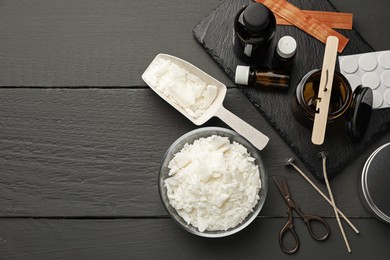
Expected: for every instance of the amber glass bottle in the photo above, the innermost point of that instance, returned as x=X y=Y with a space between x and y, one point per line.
x=261 y=77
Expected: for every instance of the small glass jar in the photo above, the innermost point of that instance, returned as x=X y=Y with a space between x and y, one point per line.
x=254 y=29
x=349 y=108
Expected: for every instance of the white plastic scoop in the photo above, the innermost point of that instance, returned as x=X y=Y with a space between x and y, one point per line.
x=258 y=139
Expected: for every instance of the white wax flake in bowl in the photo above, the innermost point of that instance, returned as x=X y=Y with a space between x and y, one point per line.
x=213 y=184
x=182 y=87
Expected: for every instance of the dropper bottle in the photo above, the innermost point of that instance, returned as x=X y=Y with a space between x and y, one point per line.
x=261 y=77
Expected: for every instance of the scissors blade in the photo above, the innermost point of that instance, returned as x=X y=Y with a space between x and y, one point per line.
x=282 y=186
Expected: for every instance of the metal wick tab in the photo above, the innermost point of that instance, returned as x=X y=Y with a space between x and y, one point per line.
x=291 y=162
x=322 y=155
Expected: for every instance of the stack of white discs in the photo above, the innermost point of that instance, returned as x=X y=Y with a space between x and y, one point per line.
x=369 y=70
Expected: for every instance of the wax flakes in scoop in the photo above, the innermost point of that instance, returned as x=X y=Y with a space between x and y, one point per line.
x=182 y=87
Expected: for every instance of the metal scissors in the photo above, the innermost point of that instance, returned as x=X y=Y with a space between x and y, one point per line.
x=289 y=226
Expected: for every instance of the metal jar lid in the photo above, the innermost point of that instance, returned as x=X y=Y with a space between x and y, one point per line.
x=375 y=183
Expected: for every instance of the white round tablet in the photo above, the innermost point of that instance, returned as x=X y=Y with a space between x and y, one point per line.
x=368 y=62
x=349 y=64
x=371 y=80
x=353 y=80
x=385 y=78
x=377 y=99
x=384 y=59
x=386 y=96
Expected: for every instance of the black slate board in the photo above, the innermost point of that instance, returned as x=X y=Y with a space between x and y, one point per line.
x=215 y=34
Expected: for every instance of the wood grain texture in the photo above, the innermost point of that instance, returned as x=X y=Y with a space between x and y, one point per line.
x=325 y=90
x=76 y=43
x=335 y=20
x=97 y=153
x=163 y=239
x=276 y=106
x=87 y=158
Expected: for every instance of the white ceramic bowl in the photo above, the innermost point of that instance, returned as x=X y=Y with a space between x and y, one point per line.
x=190 y=137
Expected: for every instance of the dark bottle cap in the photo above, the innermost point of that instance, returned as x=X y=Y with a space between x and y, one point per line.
x=359 y=112
x=256 y=17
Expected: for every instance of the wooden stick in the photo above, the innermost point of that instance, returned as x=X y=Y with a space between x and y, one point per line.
x=333 y=203
x=324 y=91
x=323 y=195
x=305 y=22
x=334 y=20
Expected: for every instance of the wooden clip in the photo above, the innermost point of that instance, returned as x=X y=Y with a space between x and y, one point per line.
x=325 y=90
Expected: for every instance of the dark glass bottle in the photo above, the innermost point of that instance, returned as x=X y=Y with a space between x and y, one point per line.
x=284 y=55
x=254 y=29
x=261 y=77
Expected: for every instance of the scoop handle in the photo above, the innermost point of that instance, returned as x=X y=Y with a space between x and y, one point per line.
x=257 y=138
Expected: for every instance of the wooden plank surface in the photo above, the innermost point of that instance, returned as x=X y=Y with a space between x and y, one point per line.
x=81 y=137
x=96 y=152
x=92 y=43
x=162 y=239
x=56 y=43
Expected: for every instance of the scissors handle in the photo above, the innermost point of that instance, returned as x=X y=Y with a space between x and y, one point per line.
x=288 y=228
x=310 y=220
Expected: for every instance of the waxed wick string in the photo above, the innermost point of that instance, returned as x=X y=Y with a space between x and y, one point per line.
x=291 y=163
x=333 y=202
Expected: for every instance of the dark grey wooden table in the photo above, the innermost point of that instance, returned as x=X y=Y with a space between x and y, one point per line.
x=82 y=136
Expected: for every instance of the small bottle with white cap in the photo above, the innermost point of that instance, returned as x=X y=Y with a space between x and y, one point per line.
x=284 y=55
x=261 y=77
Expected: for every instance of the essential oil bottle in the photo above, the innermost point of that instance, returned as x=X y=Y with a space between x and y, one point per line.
x=261 y=77
x=284 y=55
